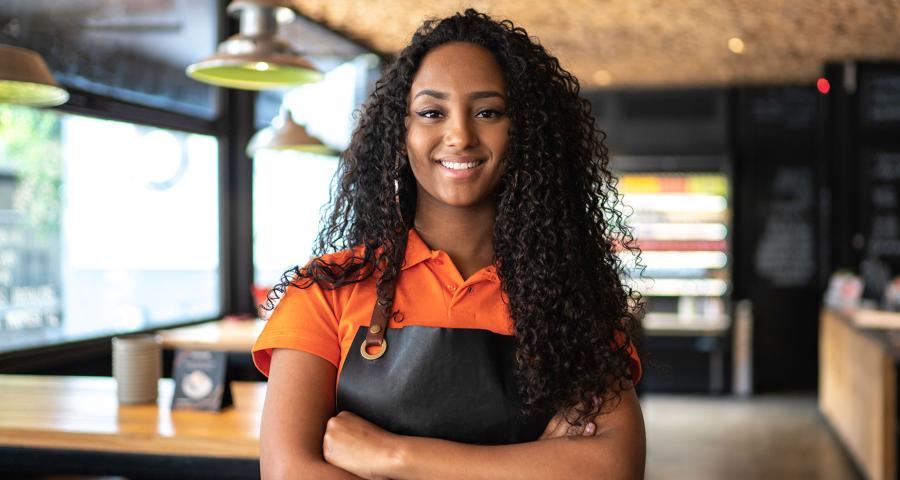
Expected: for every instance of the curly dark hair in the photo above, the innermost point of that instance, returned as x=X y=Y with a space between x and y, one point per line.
x=557 y=230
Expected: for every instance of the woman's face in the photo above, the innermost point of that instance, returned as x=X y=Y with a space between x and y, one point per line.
x=457 y=129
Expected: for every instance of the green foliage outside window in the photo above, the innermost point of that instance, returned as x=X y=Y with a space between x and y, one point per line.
x=30 y=152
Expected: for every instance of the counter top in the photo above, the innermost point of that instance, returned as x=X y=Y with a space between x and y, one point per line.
x=82 y=413
x=882 y=326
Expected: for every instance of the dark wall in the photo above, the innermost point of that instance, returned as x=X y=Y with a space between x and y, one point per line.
x=861 y=131
x=682 y=122
x=778 y=258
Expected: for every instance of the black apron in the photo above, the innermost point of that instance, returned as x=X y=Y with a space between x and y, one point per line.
x=450 y=383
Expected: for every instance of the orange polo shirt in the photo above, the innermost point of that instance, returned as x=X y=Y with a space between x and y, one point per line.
x=430 y=292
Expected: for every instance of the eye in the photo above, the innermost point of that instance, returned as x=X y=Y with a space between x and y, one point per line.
x=489 y=113
x=429 y=113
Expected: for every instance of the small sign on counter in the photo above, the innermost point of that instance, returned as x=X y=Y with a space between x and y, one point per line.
x=201 y=380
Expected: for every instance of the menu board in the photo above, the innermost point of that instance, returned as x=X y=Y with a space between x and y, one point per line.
x=882 y=208
x=783 y=108
x=879 y=98
x=785 y=251
x=878 y=153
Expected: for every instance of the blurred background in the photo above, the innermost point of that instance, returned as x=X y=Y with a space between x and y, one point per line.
x=757 y=146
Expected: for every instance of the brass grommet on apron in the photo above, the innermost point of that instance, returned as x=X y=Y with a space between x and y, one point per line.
x=368 y=356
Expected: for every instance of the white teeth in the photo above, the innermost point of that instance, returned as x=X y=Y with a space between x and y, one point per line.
x=460 y=166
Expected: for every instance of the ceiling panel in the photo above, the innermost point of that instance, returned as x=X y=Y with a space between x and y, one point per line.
x=642 y=43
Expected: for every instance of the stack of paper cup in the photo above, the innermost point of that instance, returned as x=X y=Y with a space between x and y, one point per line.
x=137 y=365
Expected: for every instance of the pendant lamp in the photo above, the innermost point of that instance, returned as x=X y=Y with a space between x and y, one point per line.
x=26 y=80
x=286 y=134
x=255 y=58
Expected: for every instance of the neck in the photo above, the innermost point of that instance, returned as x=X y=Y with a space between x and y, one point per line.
x=465 y=233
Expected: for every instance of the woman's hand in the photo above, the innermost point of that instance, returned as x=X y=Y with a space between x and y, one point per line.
x=560 y=427
x=358 y=446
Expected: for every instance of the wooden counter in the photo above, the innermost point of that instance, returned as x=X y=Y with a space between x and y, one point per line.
x=225 y=335
x=52 y=414
x=858 y=391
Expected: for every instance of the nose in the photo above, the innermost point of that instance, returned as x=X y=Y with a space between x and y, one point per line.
x=460 y=132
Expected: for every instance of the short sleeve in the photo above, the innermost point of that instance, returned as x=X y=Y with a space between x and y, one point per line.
x=636 y=368
x=303 y=320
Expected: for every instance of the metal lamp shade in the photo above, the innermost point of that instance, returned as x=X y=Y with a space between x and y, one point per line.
x=255 y=59
x=254 y=72
x=288 y=135
x=26 y=80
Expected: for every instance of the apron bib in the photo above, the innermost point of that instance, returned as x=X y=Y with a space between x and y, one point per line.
x=449 y=383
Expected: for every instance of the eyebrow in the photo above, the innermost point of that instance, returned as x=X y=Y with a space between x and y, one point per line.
x=473 y=95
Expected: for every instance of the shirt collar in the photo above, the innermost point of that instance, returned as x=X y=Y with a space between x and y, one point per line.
x=416 y=250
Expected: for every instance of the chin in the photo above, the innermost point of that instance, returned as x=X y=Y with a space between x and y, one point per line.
x=463 y=201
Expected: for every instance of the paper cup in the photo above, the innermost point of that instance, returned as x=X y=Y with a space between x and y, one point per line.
x=136 y=366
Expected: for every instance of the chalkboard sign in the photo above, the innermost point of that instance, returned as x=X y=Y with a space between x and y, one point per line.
x=784 y=108
x=879 y=98
x=785 y=253
x=776 y=237
x=881 y=209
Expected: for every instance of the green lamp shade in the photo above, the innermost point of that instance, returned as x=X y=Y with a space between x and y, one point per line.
x=253 y=73
x=31 y=94
x=26 y=80
x=285 y=134
x=317 y=149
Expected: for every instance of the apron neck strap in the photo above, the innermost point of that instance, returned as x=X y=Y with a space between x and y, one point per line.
x=381 y=314
x=384 y=305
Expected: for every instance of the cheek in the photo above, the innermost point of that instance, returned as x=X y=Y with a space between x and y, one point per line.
x=416 y=153
x=500 y=142
x=416 y=143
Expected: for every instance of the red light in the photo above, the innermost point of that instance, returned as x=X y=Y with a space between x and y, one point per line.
x=823 y=86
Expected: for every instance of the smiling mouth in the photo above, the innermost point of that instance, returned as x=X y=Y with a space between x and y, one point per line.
x=460 y=165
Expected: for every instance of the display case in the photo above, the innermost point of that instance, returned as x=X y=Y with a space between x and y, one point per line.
x=681 y=224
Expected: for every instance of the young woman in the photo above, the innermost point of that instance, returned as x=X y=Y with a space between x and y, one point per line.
x=473 y=322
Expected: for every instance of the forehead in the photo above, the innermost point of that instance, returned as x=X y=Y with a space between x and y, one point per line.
x=459 y=67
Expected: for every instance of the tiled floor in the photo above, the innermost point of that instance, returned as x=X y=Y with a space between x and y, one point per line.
x=765 y=437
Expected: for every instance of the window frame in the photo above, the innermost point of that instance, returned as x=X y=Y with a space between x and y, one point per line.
x=232 y=129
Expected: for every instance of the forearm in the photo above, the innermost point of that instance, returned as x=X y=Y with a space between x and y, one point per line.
x=572 y=457
x=306 y=470
x=326 y=471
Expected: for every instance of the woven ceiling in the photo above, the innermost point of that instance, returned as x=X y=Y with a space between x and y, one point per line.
x=643 y=43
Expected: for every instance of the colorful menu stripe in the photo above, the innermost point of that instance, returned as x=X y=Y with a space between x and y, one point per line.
x=689 y=184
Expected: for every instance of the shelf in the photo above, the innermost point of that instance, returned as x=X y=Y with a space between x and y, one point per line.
x=673 y=324
x=682 y=245
x=685 y=260
x=663 y=287
x=680 y=231
x=662 y=202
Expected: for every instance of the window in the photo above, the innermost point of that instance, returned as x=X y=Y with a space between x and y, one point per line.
x=290 y=188
x=105 y=227
x=132 y=50
x=289 y=191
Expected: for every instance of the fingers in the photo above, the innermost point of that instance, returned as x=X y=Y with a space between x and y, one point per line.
x=590 y=429
x=560 y=427
x=553 y=429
